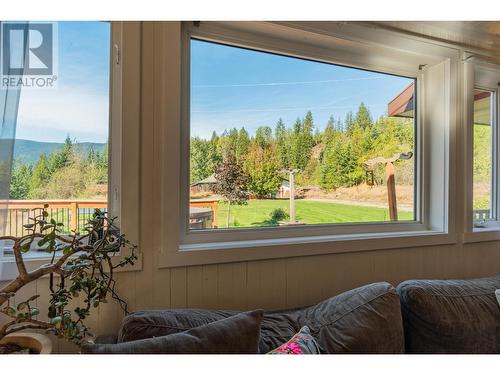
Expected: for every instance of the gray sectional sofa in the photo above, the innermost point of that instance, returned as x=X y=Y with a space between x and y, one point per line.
x=419 y=316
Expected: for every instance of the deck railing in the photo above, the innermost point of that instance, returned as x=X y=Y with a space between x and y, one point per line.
x=481 y=215
x=72 y=213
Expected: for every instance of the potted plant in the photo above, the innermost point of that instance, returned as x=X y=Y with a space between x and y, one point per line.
x=80 y=265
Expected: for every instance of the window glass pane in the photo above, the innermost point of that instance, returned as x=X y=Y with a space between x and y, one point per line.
x=483 y=148
x=265 y=128
x=61 y=145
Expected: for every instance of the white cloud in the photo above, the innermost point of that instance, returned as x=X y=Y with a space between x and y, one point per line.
x=50 y=115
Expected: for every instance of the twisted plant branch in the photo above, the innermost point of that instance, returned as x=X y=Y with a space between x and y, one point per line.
x=85 y=268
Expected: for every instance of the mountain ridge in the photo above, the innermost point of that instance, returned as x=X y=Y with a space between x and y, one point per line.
x=28 y=152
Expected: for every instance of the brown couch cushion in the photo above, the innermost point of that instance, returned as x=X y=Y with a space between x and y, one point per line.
x=362 y=320
x=236 y=334
x=451 y=316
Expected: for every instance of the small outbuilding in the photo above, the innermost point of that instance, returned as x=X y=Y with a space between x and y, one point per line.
x=204 y=186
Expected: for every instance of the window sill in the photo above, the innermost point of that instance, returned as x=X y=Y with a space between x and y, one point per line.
x=33 y=260
x=237 y=251
x=482 y=235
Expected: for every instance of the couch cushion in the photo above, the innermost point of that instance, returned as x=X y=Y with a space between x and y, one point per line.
x=236 y=334
x=150 y=323
x=362 y=320
x=451 y=316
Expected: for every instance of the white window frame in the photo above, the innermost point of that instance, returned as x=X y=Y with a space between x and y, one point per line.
x=124 y=38
x=435 y=216
x=486 y=76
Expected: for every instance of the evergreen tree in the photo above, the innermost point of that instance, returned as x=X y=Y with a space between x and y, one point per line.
x=329 y=131
x=199 y=159
x=40 y=178
x=282 y=150
x=214 y=156
x=264 y=136
x=339 y=166
x=63 y=157
x=363 y=118
x=233 y=140
x=308 y=123
x=20 y=183
x=242 y=145
x=302 y=142
x=349 y=122
x=294 y=150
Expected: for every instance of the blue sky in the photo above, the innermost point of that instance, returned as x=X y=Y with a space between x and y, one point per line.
x=230 y=87
x=79 y=106
x=234 y=87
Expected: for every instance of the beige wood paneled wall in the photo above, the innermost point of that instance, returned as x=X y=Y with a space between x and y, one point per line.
x=268 y=284
x=282 y=283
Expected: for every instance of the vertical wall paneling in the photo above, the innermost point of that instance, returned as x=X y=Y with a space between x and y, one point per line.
x=231 y=286
x=266 y=284
x=178 y=287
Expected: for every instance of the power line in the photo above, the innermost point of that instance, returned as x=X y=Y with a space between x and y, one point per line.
x=325 y=106
x=286 y=109
x=287 y=83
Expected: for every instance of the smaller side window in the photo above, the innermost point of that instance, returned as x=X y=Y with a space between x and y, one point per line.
x=484 y=201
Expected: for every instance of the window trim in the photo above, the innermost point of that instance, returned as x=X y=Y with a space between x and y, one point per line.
x=438 y=228
x=229 y=235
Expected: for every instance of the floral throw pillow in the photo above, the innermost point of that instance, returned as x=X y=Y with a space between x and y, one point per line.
x=301 y=343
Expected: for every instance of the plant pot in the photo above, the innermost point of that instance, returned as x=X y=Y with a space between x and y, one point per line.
x=37 y=342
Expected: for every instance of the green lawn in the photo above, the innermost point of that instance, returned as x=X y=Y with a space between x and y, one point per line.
x=258 y=213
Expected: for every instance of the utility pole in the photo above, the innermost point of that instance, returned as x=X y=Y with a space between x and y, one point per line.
x=291 y=181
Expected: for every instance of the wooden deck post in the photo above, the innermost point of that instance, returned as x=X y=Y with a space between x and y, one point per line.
x=73 y=209
x=215 y=209
x=390 y=182
x=391 y=191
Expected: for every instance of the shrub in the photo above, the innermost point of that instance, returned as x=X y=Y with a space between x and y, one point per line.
x=279 y=214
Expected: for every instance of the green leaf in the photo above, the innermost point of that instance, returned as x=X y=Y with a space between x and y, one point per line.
x=10 y=311
x=43 y=241
x=34 y=311
x=22 y=306
x=52 y=312
x=26 y=247
x=56 y=321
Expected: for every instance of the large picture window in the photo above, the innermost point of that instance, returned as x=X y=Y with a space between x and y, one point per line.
x=278 y=141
